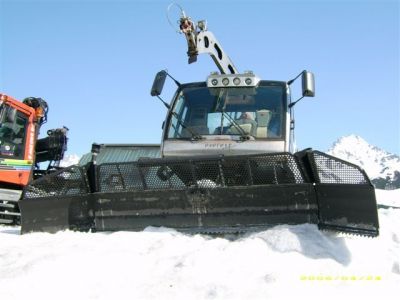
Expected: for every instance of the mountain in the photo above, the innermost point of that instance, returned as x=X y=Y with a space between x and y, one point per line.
x=381 y=166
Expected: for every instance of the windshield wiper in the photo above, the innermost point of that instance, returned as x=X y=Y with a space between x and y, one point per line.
x=243 y=135
x=194 y=134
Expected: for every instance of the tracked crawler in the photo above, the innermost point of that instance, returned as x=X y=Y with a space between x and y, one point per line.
x=227 y=164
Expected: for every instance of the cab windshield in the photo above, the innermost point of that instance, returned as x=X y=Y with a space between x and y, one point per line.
x=256 y=112
x=12 y=132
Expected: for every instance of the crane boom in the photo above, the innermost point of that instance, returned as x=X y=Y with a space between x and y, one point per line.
x=200 y=40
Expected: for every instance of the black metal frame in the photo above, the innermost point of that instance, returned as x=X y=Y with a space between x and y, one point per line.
x=206 y=194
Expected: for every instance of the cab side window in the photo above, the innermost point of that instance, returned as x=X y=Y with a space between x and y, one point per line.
x=12 y=136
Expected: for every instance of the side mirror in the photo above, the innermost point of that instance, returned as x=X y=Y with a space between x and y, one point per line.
x=308 y=84
x=158 y=83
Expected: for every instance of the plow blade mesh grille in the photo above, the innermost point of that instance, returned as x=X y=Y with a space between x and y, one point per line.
x=330 y=169
x=67 y=182
x=165 y=174
x=214 y=172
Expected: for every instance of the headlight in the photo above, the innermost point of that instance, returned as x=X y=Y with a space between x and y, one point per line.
x=232 y=80
x=225 y=81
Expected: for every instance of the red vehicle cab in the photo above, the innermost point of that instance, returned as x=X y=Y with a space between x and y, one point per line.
x=18 y=133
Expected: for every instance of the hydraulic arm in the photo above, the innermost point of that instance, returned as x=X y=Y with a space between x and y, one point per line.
x=200 y=41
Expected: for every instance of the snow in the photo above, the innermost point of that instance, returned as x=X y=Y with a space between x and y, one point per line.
x=283 y=262
x=390 y=198
x=69 y=160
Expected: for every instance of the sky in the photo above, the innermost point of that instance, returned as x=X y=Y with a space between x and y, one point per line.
x=94 y=63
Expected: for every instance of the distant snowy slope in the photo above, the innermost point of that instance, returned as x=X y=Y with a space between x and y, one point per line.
x=376 y=162
x=69 y=160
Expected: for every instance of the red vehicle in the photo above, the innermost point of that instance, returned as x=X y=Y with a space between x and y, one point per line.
x=21 y=151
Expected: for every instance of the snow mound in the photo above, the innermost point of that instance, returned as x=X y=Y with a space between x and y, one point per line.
x=284 y=262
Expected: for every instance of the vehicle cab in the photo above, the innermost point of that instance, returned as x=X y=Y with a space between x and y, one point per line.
x=229 y=114
x=17 y=136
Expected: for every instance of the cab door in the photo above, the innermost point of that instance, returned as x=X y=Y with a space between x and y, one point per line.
x=15 y=165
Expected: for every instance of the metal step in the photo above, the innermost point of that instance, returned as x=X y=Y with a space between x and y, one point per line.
x=7 y=205
x=9 y=217
x=11 y=200
x=9 y=213
x=10 y=195
x=6 y=221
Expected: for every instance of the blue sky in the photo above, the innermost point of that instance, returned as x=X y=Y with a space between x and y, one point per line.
x=94 y=62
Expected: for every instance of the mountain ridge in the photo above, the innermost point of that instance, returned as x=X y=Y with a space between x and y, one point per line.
x=382 y=167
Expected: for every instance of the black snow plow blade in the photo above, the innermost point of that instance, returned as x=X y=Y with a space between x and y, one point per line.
x=208 y=194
